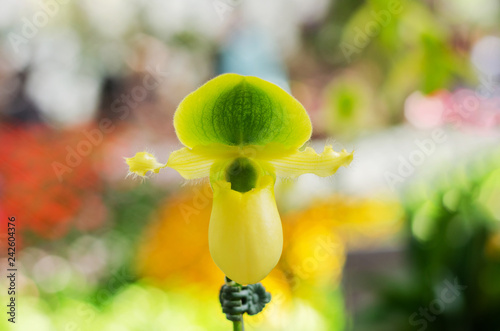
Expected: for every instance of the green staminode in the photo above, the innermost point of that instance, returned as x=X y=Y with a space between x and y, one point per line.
x=242 y=175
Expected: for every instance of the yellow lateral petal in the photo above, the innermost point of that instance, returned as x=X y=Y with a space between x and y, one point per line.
x=143 y=162
x=308 y=161
x=196 y=162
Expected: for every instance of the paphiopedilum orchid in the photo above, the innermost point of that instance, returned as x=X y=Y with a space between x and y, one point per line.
x=243 y=132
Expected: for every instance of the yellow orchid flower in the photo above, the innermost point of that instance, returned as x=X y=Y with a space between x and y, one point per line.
x=243 y=132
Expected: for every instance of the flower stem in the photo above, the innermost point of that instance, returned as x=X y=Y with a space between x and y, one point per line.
x=237 y=325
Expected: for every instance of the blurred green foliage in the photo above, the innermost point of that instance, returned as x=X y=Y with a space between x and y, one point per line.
x=453 y=255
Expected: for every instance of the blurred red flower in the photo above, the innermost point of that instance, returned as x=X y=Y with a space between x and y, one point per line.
x=42 y=201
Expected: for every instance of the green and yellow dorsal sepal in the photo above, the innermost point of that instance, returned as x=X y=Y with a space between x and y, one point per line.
x=241 y=110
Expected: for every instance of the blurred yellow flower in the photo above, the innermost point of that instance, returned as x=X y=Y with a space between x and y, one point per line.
x=174 y=249
x=316 y=241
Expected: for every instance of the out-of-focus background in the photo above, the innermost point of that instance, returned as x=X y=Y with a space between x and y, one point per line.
x=406 y=238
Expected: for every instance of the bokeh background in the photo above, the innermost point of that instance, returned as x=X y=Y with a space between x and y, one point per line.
x=406 y=238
